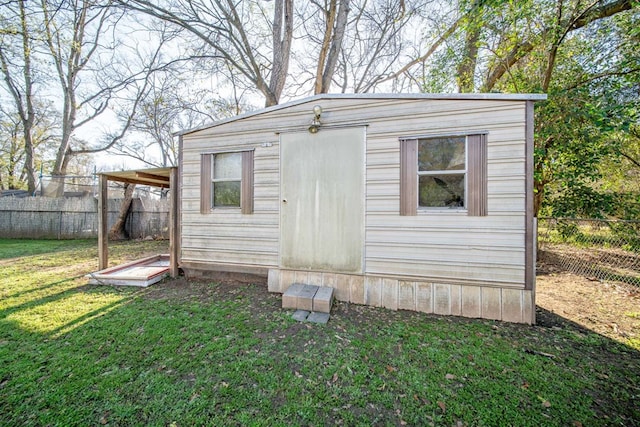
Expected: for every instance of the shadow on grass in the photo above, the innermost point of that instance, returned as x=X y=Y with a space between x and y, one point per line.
x=16 y=248
x=87 y=317
x=4 y=312
x=613 y=366
x=42 y=288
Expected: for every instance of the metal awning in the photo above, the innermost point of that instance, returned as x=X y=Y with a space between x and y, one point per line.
x=157 y=177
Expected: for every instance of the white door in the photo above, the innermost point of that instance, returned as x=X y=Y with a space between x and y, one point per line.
x=322 y=200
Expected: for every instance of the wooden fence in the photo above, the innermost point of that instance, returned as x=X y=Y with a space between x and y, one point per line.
x=76 y=218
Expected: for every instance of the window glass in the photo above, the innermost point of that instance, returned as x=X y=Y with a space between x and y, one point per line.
x=441 y=154
x=226 y=193
x=441 y=191
x=227 y=166
x=226 y=180
x=442 y=172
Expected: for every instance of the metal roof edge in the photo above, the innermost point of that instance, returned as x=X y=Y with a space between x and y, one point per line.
x=390 y=96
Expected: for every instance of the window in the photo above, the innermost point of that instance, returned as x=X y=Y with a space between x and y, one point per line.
x=445 y=172
x=227 y=181
x=442 y=168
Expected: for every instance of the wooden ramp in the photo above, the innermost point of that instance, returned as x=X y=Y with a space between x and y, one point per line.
x=143 y=272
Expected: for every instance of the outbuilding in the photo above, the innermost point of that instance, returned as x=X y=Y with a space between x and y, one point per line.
x=419 y=202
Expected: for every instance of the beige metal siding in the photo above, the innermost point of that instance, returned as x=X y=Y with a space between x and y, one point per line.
x=449 y=245
x=444 y=246
x=226 y=235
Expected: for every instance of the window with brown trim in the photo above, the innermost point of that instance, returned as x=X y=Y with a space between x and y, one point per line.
x=444 y=173
x=226 y=181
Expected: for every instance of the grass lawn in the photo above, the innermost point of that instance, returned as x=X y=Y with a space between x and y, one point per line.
x=186 y=353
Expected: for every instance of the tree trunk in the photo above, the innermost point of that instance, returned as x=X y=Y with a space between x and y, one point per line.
x=467 y=66
x=282 y=36
x=336 y=47
x=118 y=231
x=28 y=159
x=330 y=18
x=538 y=197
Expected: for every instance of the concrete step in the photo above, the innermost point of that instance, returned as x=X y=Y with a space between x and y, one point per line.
x=323 y=300
x=310 y=298
x=290 y=297
x=306 y=296
x=313 y=316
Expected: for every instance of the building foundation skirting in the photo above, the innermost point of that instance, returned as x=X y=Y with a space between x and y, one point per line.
x=477 y=301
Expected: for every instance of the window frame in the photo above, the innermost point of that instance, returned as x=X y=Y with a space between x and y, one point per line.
x=215 y=180
x=246 y=182
x=476 y=194
x=463 y=172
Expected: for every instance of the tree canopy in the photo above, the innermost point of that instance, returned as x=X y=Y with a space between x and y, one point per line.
x=154 y=67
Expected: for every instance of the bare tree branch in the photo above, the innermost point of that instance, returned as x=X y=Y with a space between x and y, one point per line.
x=219 y=24
x=422 y=58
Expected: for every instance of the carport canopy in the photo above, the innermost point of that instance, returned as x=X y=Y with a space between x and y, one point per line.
x=156 y=177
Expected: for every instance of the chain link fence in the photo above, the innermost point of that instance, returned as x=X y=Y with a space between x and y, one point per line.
x=606 y=250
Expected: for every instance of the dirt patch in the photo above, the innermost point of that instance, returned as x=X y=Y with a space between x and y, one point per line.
x=206 y=290
x=609 y=309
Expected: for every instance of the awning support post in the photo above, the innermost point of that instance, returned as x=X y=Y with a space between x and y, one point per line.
x=103 y=208
x=174 y=224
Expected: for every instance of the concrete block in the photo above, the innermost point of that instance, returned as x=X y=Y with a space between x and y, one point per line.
x=491 y=303
x=512 y=305
x=305 y=297
x=273 y=280
x=373 y=291
x=321 y=318
x=441 y=299
x=471 y=298
x=323 y=299
x=406 y=295
x=290 y=296
x=424 y=297
x=390 y=293
x=356 y=286
x=287 y=278
x=315 y=278
x=300 y=315
x=455 y=293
